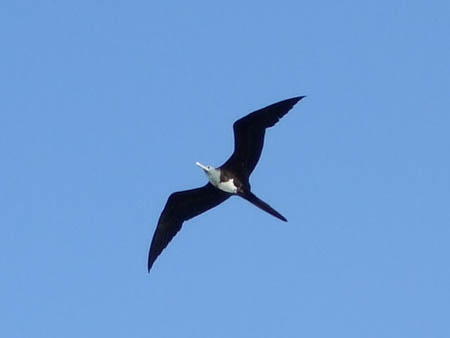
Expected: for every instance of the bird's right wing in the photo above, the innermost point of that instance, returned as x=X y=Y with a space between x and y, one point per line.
x=180 y=207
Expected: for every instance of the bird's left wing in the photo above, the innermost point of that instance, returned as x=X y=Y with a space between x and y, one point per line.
x=180 y=207
x=249 y=134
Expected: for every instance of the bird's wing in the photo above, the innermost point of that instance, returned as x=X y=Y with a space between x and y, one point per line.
x=180 y=207
x=249 y=135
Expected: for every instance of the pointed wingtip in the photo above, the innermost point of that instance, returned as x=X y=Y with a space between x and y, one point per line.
x=281 y=217
x=150 y=264
x=294 y=100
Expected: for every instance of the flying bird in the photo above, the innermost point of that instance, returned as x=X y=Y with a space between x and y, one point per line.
x=231 y=178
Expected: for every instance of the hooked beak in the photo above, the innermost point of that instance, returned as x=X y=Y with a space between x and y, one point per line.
x=201 y=166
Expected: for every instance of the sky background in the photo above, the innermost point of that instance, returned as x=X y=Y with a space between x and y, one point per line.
x=106 y=106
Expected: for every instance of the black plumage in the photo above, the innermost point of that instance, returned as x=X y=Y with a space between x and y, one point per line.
x=249 y=134
x=182 y=206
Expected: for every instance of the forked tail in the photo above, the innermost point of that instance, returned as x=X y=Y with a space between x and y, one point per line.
x=249 y=196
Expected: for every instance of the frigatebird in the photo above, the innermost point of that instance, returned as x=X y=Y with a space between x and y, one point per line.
x=231 y=178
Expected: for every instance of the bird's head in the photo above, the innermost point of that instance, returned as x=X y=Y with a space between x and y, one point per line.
x=212 y=173
x=206 y=168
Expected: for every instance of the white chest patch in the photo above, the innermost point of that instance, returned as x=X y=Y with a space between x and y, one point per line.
x=228 y=186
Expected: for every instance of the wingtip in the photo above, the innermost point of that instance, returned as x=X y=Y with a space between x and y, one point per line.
x=294 y=100
x=284 y=219
x=149 y=265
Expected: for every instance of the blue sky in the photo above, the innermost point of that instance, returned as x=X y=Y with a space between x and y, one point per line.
x=105 y=108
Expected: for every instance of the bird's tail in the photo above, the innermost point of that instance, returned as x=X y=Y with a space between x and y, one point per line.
x=249 y=196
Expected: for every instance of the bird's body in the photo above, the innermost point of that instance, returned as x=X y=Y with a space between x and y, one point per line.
x=232 y=178
x=221 y=179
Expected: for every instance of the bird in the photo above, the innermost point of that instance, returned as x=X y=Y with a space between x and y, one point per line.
x=230 y=179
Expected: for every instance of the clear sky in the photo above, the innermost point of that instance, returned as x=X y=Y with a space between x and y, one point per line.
x=106 y=106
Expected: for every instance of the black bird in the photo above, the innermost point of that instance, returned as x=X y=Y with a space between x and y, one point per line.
x=231 y=178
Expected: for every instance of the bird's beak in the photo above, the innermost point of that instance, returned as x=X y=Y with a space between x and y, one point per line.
x=201 y=166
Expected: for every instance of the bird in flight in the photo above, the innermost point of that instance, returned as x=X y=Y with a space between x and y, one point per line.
x=231 y=178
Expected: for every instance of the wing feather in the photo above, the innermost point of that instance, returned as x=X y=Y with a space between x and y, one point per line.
x=249 y=134
x=182 y=206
